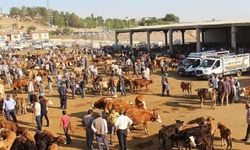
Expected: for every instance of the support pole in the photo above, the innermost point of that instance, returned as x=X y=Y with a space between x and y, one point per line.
x=233 y=38
x=171 y=46
x=131 y=40
x=148 y=40
x=166 y=38
x=116 y=39
x=183 y=36
x=198 y=39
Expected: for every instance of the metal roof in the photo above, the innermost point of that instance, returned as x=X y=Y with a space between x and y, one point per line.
x=187 y=26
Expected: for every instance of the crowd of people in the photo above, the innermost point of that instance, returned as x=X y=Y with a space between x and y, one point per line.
x=58 y=70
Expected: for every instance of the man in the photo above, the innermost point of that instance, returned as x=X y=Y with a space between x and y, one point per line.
x=112 y=119
x=83 y=86
x=37 y=113
x=87 y=122
x=248 y=123
x=220 y=89
x=100 y=128
x=63 y=96
x=164 y=83
x=122 y=85
x=121 y=125
x=226 y=91
x=50 y=83
x=44 y=110
x=112 y=86
x=65 y=123
x=9 y=108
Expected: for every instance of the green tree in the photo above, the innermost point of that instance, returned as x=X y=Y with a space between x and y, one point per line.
x=31 y=28
x=171 y=17
x=14 y=11
x=67 y=31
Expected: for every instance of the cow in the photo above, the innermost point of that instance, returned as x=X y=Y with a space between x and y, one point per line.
x=186 y=87
x=140 y=103
x=166 y=133
x=139 y=83
x=21 y=103
x=244 y=92
x=8 y=125
x=45 y=139
x=207 y=93
x=199 y=120
x=2 y=93
x=128 y=83
x=142 y=116
x=8 y=138
x=225 y=134
x=213 y=125
x=53 y=147
x=19 y=84
x=22 y=143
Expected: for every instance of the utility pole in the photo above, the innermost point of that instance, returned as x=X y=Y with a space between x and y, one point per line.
x=49 y=15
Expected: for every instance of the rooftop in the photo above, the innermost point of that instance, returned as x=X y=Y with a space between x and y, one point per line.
x=188 y=26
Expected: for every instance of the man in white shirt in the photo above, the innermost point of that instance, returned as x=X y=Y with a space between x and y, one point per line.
x=9 y=108
x=37 y=113
x=122 y=123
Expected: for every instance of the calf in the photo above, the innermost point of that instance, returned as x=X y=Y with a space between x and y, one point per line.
x=225 y=134
x=204 y=93
x=21 y=143
x=9 y=138
x=142 y=116
x=21 y=103
x=186 y=87
x=139 y=83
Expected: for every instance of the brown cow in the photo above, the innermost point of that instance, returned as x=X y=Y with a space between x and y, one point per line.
x=139 y=83
x=19 y=84
x=8 y=125
x=21 y=103
x=225 y=134
x=186 y=87
x=139 y=102
x=142 y=116
x=204 y=93
x=9 y=138
x=53 y=147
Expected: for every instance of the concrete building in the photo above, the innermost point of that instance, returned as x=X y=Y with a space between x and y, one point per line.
x=231 y=34
x=10 y=36
x=39 y=35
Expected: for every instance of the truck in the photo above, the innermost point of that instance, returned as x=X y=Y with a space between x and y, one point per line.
x=193 y=61
x=224 y=65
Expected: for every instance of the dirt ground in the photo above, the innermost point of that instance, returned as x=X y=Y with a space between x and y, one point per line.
x=170 y=108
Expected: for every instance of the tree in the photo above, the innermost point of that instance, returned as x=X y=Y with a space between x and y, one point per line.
x=14 y=11
x=67 y=31
x=31 y=28
x=171 y=17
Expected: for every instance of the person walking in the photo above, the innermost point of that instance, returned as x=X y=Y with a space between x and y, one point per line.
x=50 y=82
x=226 y=91
x=37 y=113
x=87 y=122
x=100 y=128
x=83 y=87
x=165 y=85
x=9 y=108
x=44 y=110
x=122 y=85
x=112 y=119
x=63 y=96
x=121 y=125
x=112 y=86
x=31 y=91
x=65 y=123
x=248 y=123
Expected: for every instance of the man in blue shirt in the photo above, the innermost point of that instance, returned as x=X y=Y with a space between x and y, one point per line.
x=9 y=108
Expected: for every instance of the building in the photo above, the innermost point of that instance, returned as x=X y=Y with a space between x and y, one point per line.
x=10 y=36
x=231 y=34
x=39 y=35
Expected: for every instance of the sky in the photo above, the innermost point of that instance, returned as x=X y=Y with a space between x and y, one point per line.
x=187 y=10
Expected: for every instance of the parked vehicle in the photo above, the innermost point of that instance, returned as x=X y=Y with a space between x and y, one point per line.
x=193 y=61
x=224 y=65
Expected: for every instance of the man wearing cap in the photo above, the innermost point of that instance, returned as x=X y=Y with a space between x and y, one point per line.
x=121 y=125
x=100 y=128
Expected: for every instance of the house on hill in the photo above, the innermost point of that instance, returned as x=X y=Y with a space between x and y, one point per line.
x=39 y=35
x=10 y=36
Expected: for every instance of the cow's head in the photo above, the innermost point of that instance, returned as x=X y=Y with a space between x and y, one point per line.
x=179 y=123
x=157 y=117
x=61 y=140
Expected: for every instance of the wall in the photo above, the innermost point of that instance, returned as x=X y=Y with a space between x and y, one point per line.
x=40 y=36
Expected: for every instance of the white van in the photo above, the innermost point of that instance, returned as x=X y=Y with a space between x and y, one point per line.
x=223 y=65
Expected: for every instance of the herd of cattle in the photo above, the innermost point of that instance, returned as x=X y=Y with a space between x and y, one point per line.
x=16 y=137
